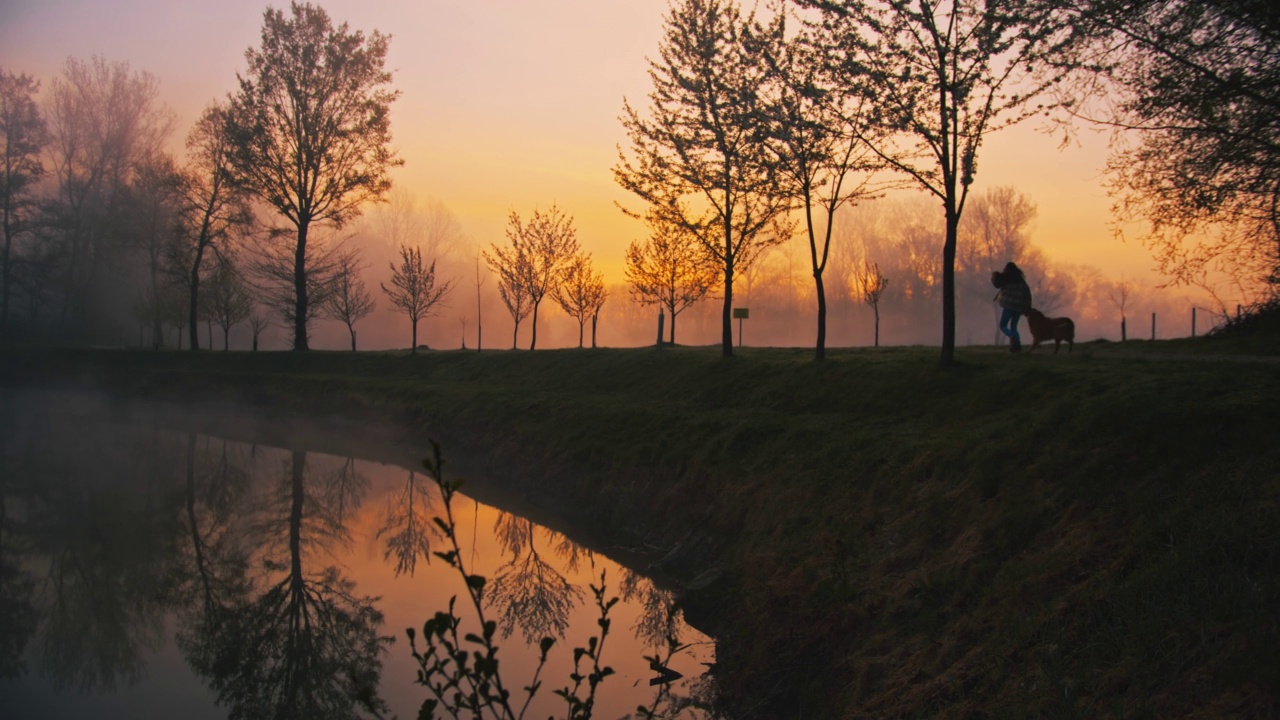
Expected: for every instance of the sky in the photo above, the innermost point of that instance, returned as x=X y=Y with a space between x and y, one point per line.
x=511 y=105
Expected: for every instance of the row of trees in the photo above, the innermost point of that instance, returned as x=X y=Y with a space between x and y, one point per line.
x=758 y=125
x=303 y=143
x=756 y=120
x=542 y=259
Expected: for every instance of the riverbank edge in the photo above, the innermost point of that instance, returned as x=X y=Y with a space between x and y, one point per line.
x=777 y=582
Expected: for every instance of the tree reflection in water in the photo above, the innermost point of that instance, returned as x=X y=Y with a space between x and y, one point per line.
x=298 y=643
x=528 y=591
x=406 y=524
x=110 y=530
x=105 y=544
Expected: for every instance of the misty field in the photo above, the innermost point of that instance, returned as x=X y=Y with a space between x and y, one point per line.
x=1076 y=535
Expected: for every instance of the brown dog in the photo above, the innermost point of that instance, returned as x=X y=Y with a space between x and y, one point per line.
x=1047 y=328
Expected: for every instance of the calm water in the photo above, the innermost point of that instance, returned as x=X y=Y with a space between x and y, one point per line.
x=151 y=572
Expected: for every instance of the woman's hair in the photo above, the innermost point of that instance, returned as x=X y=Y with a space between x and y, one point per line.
x=1013 y=270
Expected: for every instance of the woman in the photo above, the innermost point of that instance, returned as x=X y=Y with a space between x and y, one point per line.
x=1015 y=299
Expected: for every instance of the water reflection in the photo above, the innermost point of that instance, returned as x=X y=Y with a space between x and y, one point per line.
x=293 y=641
x=279 y=577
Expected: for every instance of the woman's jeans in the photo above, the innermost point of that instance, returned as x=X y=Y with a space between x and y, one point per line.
x=1009 y=325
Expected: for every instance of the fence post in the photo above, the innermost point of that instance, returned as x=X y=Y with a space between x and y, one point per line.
x=1153 y=326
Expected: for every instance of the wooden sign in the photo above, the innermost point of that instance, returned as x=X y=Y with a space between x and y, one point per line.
x=741 y=313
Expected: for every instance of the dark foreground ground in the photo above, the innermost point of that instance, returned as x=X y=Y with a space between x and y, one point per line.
x=1074 y=536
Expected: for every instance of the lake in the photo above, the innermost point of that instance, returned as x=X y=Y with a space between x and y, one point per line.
x=150 y=568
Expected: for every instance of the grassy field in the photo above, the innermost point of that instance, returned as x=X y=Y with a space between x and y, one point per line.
x=1060 y=536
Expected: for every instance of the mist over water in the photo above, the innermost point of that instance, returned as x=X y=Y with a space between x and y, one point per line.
x=153 y=571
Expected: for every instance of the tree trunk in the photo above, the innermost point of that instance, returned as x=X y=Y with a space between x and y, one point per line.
x=194 y=304
x=300 y=288
x=515 y=334
x=876 y=309
x=820 y=351
x=413 y=347
x=534 y=339
x=4 y=292
x=672 y=341
x=581 y=327
x=949 y=285
x=726 y=315
x=226 y=339
x=353 y=338
x=594 y=319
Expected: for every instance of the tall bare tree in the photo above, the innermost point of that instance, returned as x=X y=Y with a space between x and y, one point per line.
x=23 y=132
x=698 y=157
x=351 y=300
x=670 y=268
x=817 y=138
x=414 y=289
x=311 y=128
x=581 y=292
x=213 y=207
x=944 y=75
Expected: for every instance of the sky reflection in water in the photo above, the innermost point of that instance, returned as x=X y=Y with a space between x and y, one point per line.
x=151 y=572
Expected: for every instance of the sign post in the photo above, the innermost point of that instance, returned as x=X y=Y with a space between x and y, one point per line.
x=741 y=314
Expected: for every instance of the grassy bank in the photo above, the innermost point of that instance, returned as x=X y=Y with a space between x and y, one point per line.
x=1085 y=535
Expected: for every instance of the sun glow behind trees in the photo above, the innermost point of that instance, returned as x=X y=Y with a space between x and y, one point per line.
x=560 y=151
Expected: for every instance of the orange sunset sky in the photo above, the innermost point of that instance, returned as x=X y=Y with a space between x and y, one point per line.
x=511 y=105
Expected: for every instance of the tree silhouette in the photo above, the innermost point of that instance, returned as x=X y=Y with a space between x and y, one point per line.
x=350 y=301
x=212 y=208
x=943 y=76
x=414 y=289
x=581 y=293
x=310 y=129
x=699 y=159
x=24 y=134
x=669 y=268
x=817 y=138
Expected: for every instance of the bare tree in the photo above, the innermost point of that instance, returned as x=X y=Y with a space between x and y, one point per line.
x=271 y=266
x=311 y=129
x=479 y=309
x=413 y=288
x=817 y=138
x=24 y=134
x=538 y=253
x=944 y=75
x=229 y=301
x=509 y=263
x=699 y=158
x=213 y=208
x=258 y=323
x=351 y=300
x=580 y=292
x=1120 y=294
x=871 y=286
x=669 y=268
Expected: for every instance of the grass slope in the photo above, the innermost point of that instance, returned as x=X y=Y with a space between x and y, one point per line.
x=1072 y=536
